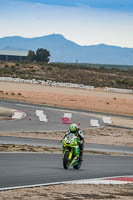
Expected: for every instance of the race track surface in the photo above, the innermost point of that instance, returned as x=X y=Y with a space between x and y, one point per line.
x=56 y=143
x=53 y=115
x=22 y=169
x=19 y=169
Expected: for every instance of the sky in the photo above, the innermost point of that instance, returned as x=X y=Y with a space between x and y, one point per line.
x=85 y=22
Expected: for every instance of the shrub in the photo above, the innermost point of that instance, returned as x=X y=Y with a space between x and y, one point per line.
x=17 y=64
x=33 y=70
x=6 y=66
x=49 y=68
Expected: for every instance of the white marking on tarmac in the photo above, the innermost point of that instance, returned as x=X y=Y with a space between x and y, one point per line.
x=30 y=186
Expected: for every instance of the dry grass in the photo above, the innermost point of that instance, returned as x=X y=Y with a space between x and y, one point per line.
x=89 y=74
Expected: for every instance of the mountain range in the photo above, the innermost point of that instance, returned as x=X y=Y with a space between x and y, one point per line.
x=63 y=50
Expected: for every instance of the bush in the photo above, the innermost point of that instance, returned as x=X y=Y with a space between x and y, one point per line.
x=6 y=66
x=17 y=64
x=13 y=93
x=49 y=68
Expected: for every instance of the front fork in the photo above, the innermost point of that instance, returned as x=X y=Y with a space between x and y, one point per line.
x=70 y=159
x=64 y=149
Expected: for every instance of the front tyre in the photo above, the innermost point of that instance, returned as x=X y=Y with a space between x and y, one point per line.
x=65 y=160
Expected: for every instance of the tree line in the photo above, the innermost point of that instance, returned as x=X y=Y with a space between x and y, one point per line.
x=41 y=55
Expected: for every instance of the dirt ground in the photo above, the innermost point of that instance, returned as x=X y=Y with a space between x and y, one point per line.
x=81 y=99
x=96 y=100
x=106 y=135
x=72 y=192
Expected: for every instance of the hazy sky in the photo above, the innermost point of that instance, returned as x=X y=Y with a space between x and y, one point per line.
x=86 y=22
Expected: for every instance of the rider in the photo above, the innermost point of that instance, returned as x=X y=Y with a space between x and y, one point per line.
x=77 y=131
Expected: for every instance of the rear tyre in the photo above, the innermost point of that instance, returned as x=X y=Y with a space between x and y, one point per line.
x=78 y=165
x=65 y=160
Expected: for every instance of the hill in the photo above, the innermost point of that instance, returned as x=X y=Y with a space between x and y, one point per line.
x=63 y=50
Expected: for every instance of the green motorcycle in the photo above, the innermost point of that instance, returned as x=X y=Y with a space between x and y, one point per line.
x=71 y=151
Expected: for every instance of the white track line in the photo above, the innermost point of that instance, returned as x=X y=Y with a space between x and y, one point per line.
x=31 y=186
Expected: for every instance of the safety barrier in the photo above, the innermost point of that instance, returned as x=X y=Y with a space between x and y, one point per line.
x=18 y=115
x=39 y=112
x=94 y=123
x=66 y=118
x=42 y=117
x=118 y=90
x=47 y=83
x=107 y=120
x=69 y=115
x=61 y=84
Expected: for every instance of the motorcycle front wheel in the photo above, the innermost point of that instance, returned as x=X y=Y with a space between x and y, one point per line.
x=65 y=160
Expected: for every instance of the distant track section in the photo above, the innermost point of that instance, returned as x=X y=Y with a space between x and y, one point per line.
x=32 y=123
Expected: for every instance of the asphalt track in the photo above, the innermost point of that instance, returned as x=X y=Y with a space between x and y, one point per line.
x=21 y=169
x=56 y=143
x=53 y=115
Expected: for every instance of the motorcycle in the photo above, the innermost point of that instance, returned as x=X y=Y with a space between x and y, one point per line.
x=71 y=151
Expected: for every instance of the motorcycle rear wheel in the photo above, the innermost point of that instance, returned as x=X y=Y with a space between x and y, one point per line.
x=65 y=160
x=77 y=166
